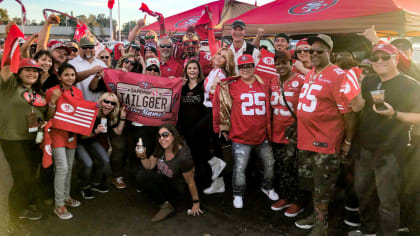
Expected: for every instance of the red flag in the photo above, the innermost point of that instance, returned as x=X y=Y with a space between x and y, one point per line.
x=111 y=4
x=11 y=53
x=80 y=31
x=144 y=8
x=23 y=11
x=266 y=68
x=75 y=115
x=350 y=87
x=204 y=29
x=46 y=146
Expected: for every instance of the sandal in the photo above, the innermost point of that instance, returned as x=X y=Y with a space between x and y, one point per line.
x=72 y=202
x=62 y=212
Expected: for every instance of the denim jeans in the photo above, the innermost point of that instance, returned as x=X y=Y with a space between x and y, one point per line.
x=241 y=155
x=63 y=162
x=103 y=169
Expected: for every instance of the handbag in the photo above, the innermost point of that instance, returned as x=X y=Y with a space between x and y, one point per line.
x=291 y=130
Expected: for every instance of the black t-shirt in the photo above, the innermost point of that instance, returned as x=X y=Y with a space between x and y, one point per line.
x=110 y=127
x=181 y=163
x=191 y=109
x=377 y=132
x=50 y=82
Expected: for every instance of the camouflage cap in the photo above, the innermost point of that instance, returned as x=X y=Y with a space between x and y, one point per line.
x=87 y=41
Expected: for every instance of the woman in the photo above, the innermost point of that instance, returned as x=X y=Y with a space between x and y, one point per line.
x=173 y=160
x=105 y=57
x=303 y=62
x=190 y=118
x=109 y=119
x=45 y=61
x=288 y=84
x=128 y=63
x=63 y=142
x=223 y=67
x=21 y=115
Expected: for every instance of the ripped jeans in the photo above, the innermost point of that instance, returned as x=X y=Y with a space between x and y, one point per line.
x=241 y=155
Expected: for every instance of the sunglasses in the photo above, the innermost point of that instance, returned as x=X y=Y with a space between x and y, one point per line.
x=109 y=102
x=87 y=47
x=74 y=49
x=318 y=51
x=104 y=57
x=152 y=69
x=245 y=67
x=165 y=46
x=149 y=37
x=128 y=61
x=163 y=135
x=303 y=50
x=375 y=58
x=190 y=43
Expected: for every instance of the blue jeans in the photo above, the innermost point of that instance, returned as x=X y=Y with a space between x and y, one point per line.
x=103 y=169
x=241 y=155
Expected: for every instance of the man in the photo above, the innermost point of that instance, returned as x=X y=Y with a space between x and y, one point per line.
x=382 y=141
x=239 y=46
x=88 y=68
x=321 y=126
x=59 y=52
x=250 y=121
x=150 y=51
x=406 y=48
x=281 y=42
x=168 y=65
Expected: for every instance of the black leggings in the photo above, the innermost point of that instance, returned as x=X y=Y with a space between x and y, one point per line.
x=24 y=158
x=159 y=187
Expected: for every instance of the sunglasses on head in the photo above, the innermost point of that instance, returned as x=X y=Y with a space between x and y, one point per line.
x=152 y=69
x=245 y=66
x=318 y=51
x=163 y=135
x=88 y=47
x=149 y=37
x=302 y=50
x=375 y=58
x=165 y=46
x=104 y=57
x=109 y=102
x=128 y=61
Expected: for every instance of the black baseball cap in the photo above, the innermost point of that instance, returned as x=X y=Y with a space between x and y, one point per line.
x=238 y=23
x=282 y=35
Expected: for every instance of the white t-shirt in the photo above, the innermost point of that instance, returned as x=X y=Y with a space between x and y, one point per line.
x=240 y=52
x=208 y=82
x=82 y=65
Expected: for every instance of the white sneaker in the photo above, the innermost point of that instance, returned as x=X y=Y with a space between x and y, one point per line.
x=218 y=186
x=237 y=202
x=217 y=165
x=271 y=194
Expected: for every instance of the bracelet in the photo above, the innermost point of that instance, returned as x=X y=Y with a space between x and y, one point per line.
x=347 y=142
x=394 y=116
x=52 y=106
x=123 y=119
x=196 y=201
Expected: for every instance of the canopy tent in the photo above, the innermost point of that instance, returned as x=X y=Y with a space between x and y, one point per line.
x=390 y=17
x=221 y=11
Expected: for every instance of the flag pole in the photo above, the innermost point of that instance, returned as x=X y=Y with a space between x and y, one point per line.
x=119 y=22
x=110 y=25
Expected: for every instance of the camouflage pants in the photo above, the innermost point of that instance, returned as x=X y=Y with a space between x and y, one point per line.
x=286 y=172
x=318 y=172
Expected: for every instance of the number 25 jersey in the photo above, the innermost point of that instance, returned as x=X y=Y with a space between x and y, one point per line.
x=319 y=111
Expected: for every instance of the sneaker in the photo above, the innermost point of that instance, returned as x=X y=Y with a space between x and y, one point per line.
x=319 y=229
x=359 y=233
x=352 y=219
x=271 y=194
x=138 y=190
x=166 y=209
x=351 y=204
x=293 y=210
x=62 y=212
x=72 y=202
x=30 y=214
x=218 y=186
x=119 y=183
x=280 y=205
x=217 y=166
x=101 y=188
x=87 y=193
x=238 y=202
x=306 y=223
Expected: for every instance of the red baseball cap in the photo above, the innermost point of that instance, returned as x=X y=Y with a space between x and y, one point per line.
x=245 y=59
x=302 y=42
x=386 y=48
x=29 y=63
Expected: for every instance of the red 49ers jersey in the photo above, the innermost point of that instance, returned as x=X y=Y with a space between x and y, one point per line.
x=282 y=117
x=250 y=104
x=319 y=112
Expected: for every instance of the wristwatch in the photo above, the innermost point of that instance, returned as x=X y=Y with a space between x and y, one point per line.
x=196 y=201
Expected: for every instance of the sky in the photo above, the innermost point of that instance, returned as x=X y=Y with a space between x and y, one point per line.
x=129 y=8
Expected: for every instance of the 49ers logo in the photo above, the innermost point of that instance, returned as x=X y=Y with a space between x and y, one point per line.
x=311 y=6
x=268 y=60
x=184 y=23
x=67 y=108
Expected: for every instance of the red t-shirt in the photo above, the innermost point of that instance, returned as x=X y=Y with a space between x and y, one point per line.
x=60 y=138
x=282 y=117
x=171 y=68
x=319 y=112
x=250 y=103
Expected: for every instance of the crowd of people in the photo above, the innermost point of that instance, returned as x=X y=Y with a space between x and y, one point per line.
x=308 y=133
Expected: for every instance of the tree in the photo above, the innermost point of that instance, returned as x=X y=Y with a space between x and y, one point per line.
x=4 y=16
x=128 y=26
x=17 y=20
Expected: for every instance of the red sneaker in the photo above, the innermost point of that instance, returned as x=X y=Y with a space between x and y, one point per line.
x=293 y=210
x=280 y=205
